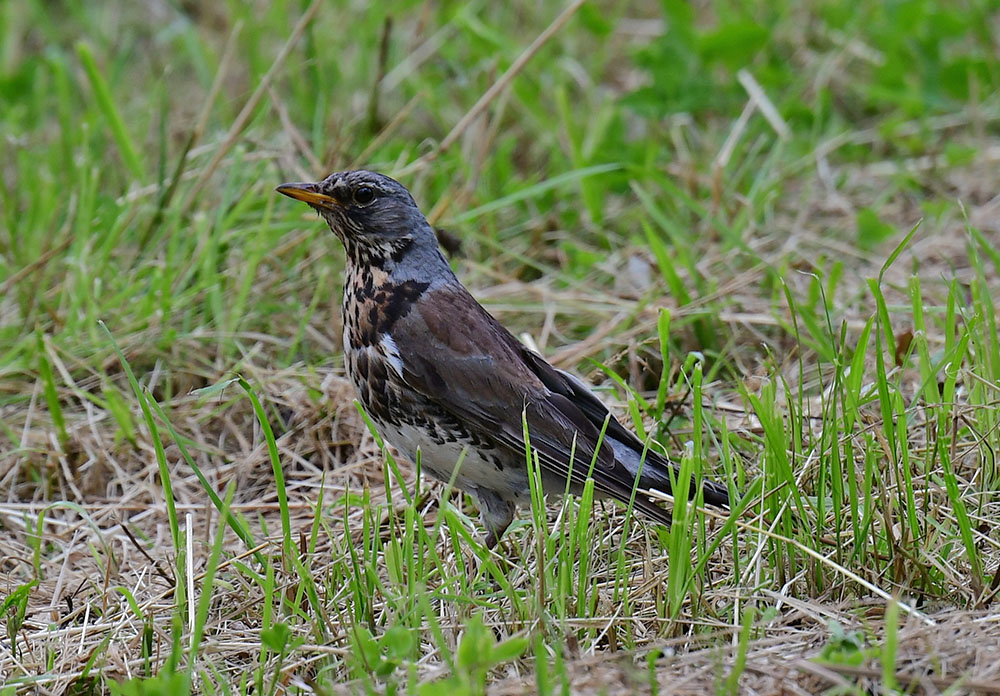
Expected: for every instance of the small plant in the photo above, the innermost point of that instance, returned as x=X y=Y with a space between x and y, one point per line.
x=13 y=610
x=380 y=657
x=165 y=683
x=478 y=652
x=845 y=648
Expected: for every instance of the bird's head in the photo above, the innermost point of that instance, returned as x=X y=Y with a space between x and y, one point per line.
x=374 y=216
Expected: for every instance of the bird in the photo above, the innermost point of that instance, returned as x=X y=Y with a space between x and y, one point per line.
x=438 y=374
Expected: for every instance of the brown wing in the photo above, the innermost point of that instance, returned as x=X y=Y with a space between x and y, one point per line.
x=460 y=357
x=657 y=471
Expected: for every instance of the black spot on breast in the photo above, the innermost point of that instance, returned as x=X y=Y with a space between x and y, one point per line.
x=377 y=374
x=386 y=306
x=399 y=302
x=361 y=362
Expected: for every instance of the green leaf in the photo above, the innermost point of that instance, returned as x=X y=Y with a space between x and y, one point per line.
x=276 y=638
x=216 y=388
x=366 y=645
x=14 y=609
x=121 y=413
x=477 y=643
x=594 y=20
x=397 y=642
x=734 y=44
x=510 y=649
x=102 y=93
x=871 y=230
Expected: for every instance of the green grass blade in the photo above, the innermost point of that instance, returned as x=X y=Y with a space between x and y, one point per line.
x=154 y=434
x=106 y=104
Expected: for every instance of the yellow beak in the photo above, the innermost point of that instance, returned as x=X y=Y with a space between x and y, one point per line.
x=307 y=193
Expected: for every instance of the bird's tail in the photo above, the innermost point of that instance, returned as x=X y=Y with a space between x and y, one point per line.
x=655 y=473
x=715 y=494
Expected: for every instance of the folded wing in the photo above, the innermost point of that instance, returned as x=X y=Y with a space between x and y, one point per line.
x=494 y=379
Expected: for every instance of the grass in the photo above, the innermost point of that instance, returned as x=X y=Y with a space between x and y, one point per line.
x=765 y=231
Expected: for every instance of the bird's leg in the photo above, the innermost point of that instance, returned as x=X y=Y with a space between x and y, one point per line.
x=492 y=539
x=496 y=513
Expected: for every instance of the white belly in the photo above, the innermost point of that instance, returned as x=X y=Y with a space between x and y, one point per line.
x=476 y=469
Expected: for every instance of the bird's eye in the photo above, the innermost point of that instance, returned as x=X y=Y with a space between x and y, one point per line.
x=363 y=195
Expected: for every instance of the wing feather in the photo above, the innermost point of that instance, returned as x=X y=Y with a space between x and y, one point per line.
x=473 y=368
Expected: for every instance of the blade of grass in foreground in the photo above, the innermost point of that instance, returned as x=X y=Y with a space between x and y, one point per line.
x=49 y=390
x=241 y=531
x=537 y=516
x=205 y=596
x=154 y=433
x=279 y=477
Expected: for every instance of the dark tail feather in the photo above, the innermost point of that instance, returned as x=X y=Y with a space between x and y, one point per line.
x=655 y=475
x=715 y=493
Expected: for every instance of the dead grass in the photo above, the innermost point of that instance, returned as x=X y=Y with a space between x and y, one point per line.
x=960 y=653
x=87 y=551
x=85 y=517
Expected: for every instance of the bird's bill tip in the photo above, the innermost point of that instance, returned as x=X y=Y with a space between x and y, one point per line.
x=306 y=193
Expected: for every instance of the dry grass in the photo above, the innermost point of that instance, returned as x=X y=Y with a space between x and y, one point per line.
x=115 y=534
x=791 y=601
x=962 y=643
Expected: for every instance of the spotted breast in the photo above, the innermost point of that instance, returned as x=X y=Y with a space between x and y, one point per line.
x=409 y=421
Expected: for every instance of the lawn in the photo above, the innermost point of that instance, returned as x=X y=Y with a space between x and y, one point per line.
x=768 y=233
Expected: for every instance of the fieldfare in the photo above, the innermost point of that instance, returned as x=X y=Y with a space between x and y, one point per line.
x=437 y=373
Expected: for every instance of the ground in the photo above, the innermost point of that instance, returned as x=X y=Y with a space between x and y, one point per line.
x=767 y=233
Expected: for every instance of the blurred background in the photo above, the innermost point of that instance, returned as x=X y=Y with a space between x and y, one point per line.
x=139 y=158
x=649 y=191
